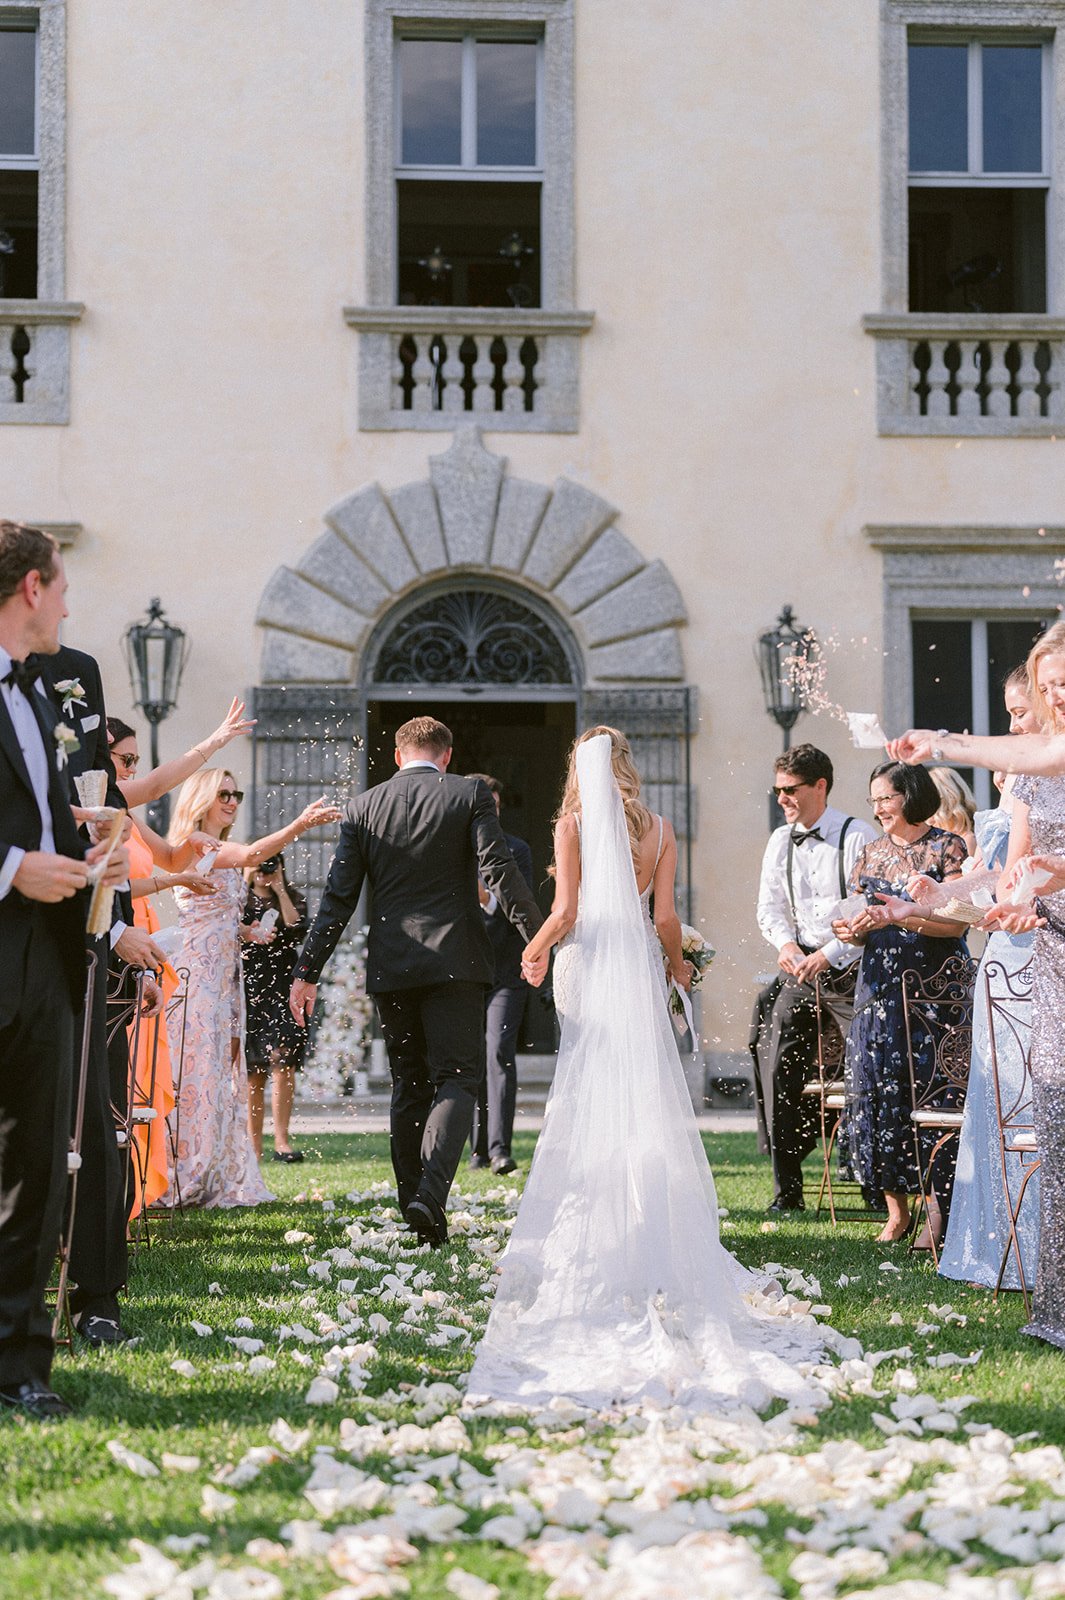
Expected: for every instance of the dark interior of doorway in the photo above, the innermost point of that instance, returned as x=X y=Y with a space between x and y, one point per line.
x=524 y=744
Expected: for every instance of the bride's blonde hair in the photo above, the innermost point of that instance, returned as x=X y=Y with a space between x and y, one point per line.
x=637 y=817
x=195 y=798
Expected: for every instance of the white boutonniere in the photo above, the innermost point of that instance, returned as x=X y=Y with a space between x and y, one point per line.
x=71 y=693
x=66 y=742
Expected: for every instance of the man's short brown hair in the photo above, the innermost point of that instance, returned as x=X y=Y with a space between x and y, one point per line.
x=24 y=550
x=807 y=763
x=424 y=733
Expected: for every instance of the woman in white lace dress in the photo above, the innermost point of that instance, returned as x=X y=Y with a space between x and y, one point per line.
x=216 y=1161
x=615 y=1288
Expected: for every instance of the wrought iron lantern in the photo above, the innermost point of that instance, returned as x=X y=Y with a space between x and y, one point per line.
x=156 y=652
x=785 y=654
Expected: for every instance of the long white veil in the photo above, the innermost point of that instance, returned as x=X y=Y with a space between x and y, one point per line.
x=615 y=1286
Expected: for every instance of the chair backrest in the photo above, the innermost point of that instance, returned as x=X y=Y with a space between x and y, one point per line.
x=1009 y=1027
x=831 y=1043
x=939 y=1009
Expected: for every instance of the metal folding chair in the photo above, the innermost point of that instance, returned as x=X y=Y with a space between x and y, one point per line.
x=124 y=1013
x=940 y=1008
x=1009 y=1017
x=62 y=1318
x=829 y=1090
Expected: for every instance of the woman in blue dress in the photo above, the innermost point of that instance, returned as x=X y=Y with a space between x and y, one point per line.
x=898 y=938
x=978 y=1230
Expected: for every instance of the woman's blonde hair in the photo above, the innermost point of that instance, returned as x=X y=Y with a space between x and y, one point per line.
x=957 y=803
x=627 y=778
x=195 y=798
x=1051 y=643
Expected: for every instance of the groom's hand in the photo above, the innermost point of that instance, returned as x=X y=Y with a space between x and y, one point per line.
x=534 y=969
x=301 y=1001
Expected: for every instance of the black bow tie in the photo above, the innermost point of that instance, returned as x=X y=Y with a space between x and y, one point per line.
x=24 y=674
x=797 y=835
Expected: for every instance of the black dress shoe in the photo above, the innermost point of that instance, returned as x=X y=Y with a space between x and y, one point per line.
x=781 y=1207
x=479 y=1161
x=291 y=1156
x=428 y=1222
x=503 y=1164
x=100 y=1331
x=36 y=1401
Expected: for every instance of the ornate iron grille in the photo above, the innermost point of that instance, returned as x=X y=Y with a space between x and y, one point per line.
x=472 y=636
x=658 y=724
x=306 y=742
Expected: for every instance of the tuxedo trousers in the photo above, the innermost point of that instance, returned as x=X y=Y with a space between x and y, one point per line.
x=435 y=1039
x=98 y=1252
x=493 y=1125
x=36 y=1053
x=783 y=1044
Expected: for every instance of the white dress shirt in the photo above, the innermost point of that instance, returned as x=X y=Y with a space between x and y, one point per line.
x=36 y=757
x=815 y=880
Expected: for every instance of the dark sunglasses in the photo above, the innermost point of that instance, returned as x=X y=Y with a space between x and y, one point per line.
x=787 y=788
x=128 y=763
x=231 y=794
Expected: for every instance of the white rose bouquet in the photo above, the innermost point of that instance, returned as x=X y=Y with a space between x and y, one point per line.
x=700 y=952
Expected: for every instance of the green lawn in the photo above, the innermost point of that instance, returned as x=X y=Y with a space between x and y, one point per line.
x=68 y=1509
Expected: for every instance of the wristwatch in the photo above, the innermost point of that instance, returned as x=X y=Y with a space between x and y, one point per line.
x=937 y=754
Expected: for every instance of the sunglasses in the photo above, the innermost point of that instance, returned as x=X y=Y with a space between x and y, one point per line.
x=127 y=763
x=780 y=789
x=226 y=795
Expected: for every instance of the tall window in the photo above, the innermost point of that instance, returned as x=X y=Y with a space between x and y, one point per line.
x=468 y=169
x=979 y=172
x=19 y=161
x=959 y=666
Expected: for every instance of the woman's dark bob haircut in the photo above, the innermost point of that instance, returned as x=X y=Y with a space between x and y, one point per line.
x=920 y=797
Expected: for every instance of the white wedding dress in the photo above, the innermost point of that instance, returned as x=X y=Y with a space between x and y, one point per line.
x=615 y=1288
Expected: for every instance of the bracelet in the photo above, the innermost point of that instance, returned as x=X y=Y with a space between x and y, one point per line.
x=937 y=754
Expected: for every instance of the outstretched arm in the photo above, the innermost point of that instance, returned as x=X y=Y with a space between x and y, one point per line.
x=316 y=815
x=153 y=785
x=1042 y=755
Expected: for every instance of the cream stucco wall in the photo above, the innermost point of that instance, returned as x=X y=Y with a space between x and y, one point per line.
x=727 y=227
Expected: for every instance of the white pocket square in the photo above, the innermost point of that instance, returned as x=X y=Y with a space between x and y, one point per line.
x=91 y=722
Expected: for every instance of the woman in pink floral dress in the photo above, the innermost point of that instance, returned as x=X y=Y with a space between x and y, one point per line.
x=216 y=1162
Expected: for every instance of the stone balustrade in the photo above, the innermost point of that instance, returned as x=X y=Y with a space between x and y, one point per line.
x=35 y=359
x=969 y=375
x=424 y=367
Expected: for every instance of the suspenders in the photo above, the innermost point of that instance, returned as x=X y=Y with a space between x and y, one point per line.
x=842 y=874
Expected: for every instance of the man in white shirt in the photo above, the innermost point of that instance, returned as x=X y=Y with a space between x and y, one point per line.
x=805 y=871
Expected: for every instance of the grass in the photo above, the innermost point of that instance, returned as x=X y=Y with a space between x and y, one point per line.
x=67 y=1510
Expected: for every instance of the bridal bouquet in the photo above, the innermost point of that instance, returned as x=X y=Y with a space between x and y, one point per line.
x=700 y=953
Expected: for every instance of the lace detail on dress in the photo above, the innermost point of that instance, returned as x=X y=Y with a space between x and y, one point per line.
x=216 y=1164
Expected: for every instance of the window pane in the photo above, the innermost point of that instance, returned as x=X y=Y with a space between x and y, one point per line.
x=459 y=230
x=506 y=105
x=1008 y=644
x=18 y=92
x=942 y=674
x=939 y=107
x=431 y=74
x=18 y=235
x=1013 y=108
x=980 y=250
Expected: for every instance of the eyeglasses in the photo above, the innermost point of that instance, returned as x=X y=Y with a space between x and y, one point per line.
x=884 y=800
x=127 y=763
x=780 y=789
x=227 y=795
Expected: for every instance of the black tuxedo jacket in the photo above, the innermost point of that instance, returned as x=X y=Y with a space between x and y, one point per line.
x=507 y=943
x=420 y=841
x=20 y=826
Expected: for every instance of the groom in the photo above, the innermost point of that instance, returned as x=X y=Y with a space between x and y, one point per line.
x=419 y=841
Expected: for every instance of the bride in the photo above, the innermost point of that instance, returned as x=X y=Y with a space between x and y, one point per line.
x=615 y=1288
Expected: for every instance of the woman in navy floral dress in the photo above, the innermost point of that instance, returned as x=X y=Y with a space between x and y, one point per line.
x=898 y=938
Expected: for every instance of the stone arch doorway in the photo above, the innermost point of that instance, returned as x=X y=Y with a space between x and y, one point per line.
x=519 y=607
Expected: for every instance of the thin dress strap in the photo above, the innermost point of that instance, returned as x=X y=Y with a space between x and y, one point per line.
x=661 y=840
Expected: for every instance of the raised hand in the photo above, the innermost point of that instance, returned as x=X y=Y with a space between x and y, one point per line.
x=234 y=724
x=318 y=813
x=913 y=746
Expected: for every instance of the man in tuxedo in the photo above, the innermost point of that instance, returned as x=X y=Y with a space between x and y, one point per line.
x=43 y=873
x=98 y=1252
x=493 y=1122
x=419 y=842
x=805 y=871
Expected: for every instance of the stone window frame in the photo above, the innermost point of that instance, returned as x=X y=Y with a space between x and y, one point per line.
x=897 y=18
x=556 y=19
x=49 y=316
x=966 y=572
